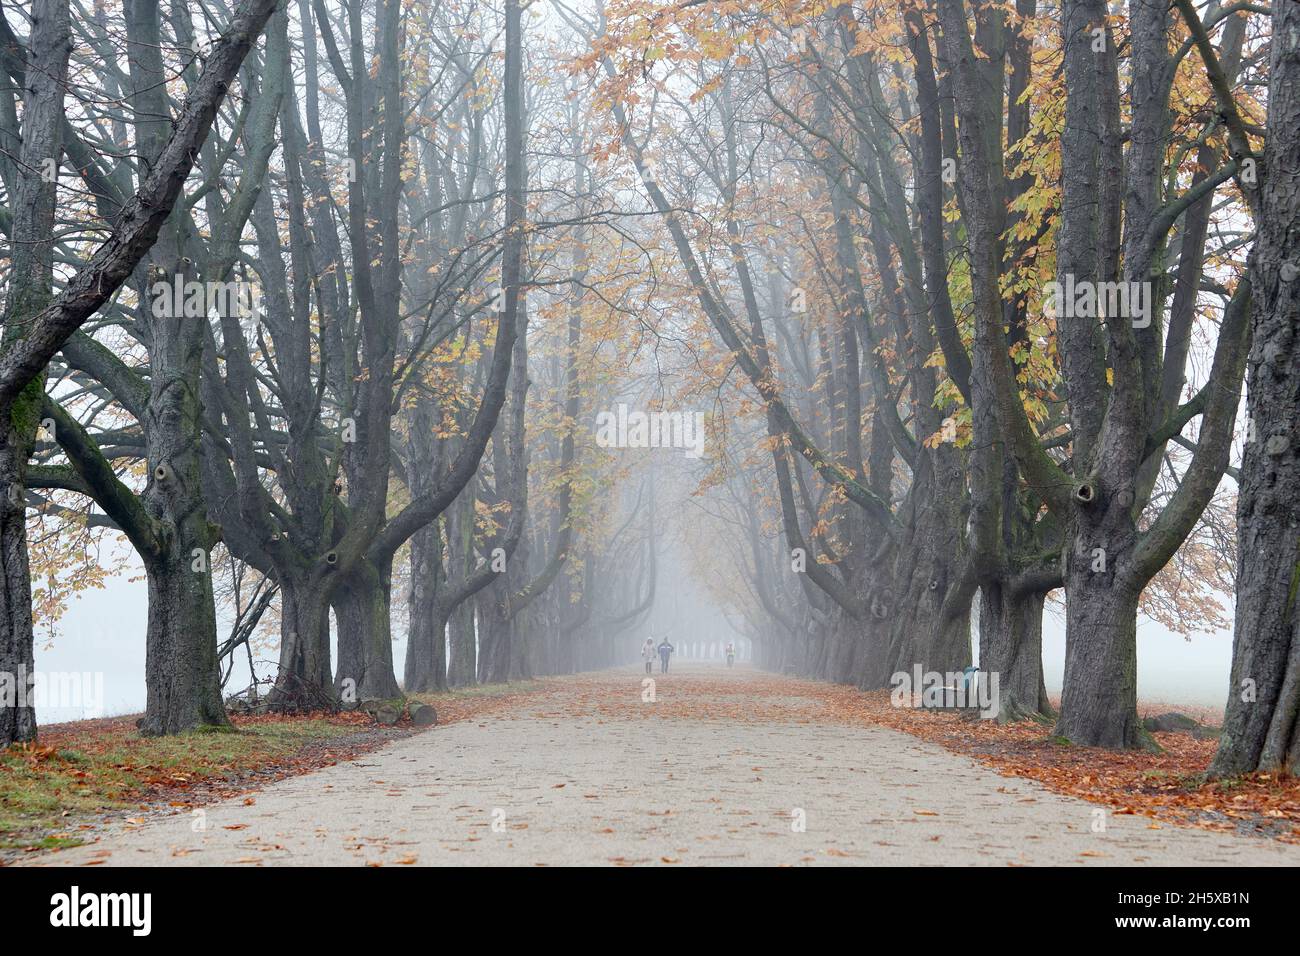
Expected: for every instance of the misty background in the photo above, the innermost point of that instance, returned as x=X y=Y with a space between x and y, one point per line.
x=103 y=632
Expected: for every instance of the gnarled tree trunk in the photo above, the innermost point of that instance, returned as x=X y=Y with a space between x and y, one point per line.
x=1261 y=727
x=182 y=680
x=1099 y=699
x=31 y=278
x=181 y=675
x=303 y=679
x=1011 y=646
x=365 y=641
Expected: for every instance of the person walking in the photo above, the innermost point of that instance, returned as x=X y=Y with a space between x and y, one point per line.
x=665 y=650
x=731 y=654
x=648 y=654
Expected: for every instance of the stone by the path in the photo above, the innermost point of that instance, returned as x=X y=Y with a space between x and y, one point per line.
x=422 y=715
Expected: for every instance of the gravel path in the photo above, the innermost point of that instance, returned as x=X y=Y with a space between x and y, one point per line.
x=565 y=779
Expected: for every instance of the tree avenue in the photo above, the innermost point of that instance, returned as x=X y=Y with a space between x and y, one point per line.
x=473 y=330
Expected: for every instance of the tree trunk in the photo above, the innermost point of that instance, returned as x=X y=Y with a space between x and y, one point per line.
x=181 y=674
x=426 y=657
x=495 y=637
x=842 y=644
x=182 y=680
x=1011 y=646
x=919 y=633
x=928 y=561
x=1099 y=701
x=365 y=642
x=526 y=646
x=873 y=666
x=17 y=715
x=30 y=279
x=817 y=660
x=303 y=677
x=462 y=669
x=1261 y=726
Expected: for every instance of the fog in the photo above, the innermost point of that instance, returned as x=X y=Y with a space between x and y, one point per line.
x=103 y=633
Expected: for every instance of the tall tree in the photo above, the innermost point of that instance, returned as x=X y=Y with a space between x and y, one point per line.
x=30 y=292
x=134 y=231
x=1261 y=726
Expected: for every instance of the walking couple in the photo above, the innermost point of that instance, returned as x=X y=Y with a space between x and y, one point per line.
x=648 y=652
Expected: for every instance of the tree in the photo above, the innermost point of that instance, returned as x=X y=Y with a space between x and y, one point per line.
x=32 y=234
x=1261 y=726
x=134 y=231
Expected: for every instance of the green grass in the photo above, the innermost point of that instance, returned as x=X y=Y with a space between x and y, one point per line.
x=94 y=768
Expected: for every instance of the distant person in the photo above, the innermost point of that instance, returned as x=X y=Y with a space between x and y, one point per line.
x=648 y=654
x=665 y=650
x=731 y=654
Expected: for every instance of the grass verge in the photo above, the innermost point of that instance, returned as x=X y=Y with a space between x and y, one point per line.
x=75 y=771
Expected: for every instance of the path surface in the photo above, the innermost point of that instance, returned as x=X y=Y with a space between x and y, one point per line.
x=712 y=772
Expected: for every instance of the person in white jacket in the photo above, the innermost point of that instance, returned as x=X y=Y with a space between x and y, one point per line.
x=648 y=654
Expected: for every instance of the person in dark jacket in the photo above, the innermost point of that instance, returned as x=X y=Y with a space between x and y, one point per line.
x=665 y=650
